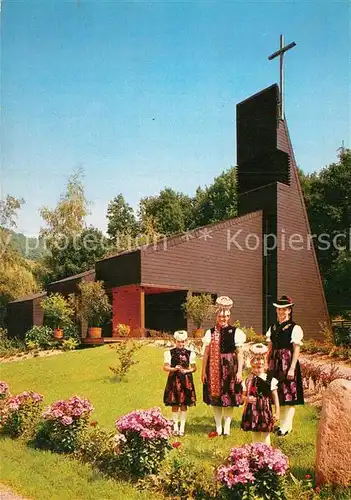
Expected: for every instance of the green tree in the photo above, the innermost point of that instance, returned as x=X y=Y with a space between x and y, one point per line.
x=169 y=213
x=16 y=276
x=67 y=219
x=328 y=202
x=217 y=202
x=64 y=226
x=121 y=219
x=79 y=254
x=8 y=211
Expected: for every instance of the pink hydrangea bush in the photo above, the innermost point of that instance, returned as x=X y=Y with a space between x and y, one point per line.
x=62 y=424
x=4 y=390
x=20 y=414
x=253 y=469
x=143 y=441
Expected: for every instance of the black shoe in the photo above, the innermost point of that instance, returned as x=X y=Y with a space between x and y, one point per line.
x=282 y=433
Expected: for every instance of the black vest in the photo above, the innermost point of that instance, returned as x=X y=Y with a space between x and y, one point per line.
x=227 y=339
x=281 y=334
x=180 y=357
x=263 y=386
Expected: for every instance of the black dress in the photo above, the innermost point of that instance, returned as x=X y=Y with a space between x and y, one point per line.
x=290 y=392
x=258 y=416
x=230 y=390
x=180 y=389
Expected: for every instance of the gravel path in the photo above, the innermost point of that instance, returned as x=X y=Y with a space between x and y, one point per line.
x=7 y=494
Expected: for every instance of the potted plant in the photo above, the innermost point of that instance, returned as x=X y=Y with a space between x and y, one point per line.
x=122 y=330
x=94 y=306
x=197 y=309
x=58 y=313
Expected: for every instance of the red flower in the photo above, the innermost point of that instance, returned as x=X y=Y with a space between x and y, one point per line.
x=176 y=444
x=213 y=434
x=308 y=476
x=93 y=423
x=253 y=391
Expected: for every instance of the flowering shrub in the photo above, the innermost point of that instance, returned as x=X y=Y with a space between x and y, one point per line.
x=143 y=440
x=253 y=471
x=4 y=390
x=20 y=414
x=63 y=423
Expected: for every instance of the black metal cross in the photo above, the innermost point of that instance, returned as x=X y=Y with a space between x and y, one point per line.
x=281 y=53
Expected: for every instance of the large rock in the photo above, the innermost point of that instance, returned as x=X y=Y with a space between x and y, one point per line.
x=333 y=460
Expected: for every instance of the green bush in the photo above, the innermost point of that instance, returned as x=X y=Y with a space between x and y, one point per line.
x=122 y=330
x=182 y=478
x=198 y=308
x=69 y=344
x=96 y=446
x=10 y=347
x=125 y=353
x=20 y=414
x=72 y=332
x=58 y=311
x=40 y=337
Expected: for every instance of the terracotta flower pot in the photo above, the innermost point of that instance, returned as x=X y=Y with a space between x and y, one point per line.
x=58 y=333
x=94 y=332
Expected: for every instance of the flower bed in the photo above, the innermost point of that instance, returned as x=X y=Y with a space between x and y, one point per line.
x=62 y=424
x=19 y=414
x=143 y=440
x=253 y=469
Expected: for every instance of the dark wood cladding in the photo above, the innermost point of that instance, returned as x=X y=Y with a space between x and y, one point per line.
x=23 y=315
x=261 y=161
x=216 y=263
x=69 y=285
x=298 y=271
x=119 y=270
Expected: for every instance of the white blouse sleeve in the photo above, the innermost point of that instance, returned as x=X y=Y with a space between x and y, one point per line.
x=167 y=358
x=297 y=335
x=206 y=339
x=274 y=384
x=268 y=334
x=239 y=337
x=192 y=359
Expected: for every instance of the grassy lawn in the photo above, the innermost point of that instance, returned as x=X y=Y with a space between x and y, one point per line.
x=44 y=475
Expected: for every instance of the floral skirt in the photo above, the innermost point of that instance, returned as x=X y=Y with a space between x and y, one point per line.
x=180 y=390
x=258 y=417
x=231 y=392
x=290 y=392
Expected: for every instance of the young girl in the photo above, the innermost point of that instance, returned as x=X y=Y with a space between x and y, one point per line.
x=259 y=391
x=180 y=391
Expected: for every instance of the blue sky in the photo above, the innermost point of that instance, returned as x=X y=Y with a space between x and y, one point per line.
x=142 y=95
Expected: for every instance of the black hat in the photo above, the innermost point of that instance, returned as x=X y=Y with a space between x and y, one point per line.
x=284 y=301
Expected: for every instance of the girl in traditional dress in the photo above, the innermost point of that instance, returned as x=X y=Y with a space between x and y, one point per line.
x=260 y=390
x=180 y=391
x=285 y=338
x=222 y=366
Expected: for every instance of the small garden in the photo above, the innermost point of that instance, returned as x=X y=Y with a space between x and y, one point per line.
x=71 y=420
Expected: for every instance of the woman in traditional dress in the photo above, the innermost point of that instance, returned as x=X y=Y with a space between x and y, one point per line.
x=222 y=366
x=180 y=391
x=285 y=339
x=260 y=390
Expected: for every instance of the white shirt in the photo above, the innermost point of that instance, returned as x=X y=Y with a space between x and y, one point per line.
x=167 y=358
x=296 y=336
x=239 y=338
x=263 y=376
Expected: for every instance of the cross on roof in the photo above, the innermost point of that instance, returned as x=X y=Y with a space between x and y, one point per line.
x=281 y=53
